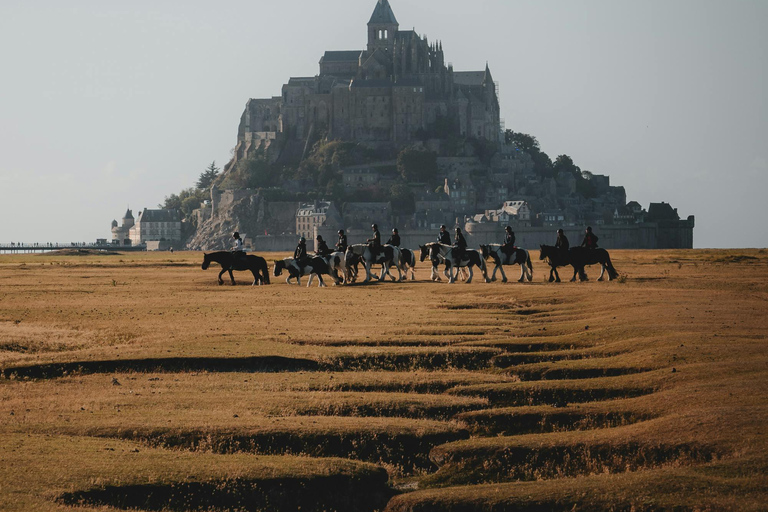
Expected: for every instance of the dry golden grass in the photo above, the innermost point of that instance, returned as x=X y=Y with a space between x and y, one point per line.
x=648 y=392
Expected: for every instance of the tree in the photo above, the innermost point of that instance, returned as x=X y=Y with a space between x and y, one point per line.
x=208 y=176
x=523 y=141
x=416 y=165
x=402 y=199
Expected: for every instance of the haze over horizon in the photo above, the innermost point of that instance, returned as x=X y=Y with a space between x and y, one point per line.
x=107 y=105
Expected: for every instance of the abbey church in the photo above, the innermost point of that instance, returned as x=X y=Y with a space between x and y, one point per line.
x=395 y=89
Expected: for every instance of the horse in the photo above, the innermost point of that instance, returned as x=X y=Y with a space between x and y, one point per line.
x=337 y=266
x=388 y=256
x=408 y=261
x=516 y=257
x=471 y=258
x=425 y=253
x=315 y=266
x=352 y=263
x=578 y=258
x=229 y=262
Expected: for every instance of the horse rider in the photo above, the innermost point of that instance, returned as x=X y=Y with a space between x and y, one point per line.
x=238 y=251
x=509 y=240
x=341 y=245
x=460 y=245
x=394 y=239
x=300 y=254
x=375 y=242
x=444 y=237
x=321 y=248
x=590 y=239
x=562 y=243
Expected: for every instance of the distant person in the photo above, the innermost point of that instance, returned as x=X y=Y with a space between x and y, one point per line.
x=562 y=243
x=394 y=239
x=375 y=242
x=341 y=245
x=321 y=248
x=300 y=254
x=238 y=251
x=509 y=240
x=444 y=237
x=460 y=245
x=590 y=239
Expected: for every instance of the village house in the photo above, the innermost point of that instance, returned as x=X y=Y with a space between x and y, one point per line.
x=156 y=225
x=314 y=215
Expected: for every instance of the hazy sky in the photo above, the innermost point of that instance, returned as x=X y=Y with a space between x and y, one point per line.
x=107 y=104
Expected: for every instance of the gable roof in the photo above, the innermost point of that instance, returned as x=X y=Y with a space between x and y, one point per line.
x=159 y=216
x=342 y=56
x=383 y=14
x=468 y=77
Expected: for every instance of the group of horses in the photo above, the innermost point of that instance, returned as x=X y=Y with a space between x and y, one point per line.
x=343 y=267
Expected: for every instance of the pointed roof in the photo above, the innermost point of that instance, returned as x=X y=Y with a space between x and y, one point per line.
x=487 y=78
x=128 y=214
x=383 y=14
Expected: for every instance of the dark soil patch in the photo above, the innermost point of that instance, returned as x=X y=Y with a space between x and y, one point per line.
x=465 y=360
x=162 y=365
x=500 y=422
x=339 y=493
x=573 y=373
x=408 y=452
x=508 y=396
x=514 y=463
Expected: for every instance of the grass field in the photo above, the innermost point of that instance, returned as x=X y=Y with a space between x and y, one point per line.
x=134 y=381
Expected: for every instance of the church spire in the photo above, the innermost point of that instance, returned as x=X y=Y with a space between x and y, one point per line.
x=382 y=27
x=383 y=15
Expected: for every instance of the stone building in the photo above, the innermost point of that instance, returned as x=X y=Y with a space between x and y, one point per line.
x=121 y=234
x=396 y=88
x=156 y=225
x=314 y=215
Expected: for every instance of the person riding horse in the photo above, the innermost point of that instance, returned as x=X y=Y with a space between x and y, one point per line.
x=300 y=254
x=341 y=245
x=444 y=237
x=590 y=239
x=562 y=243
x=394 y=239
x=460 y=245
x=375 y=242
x=509 y=241
x=321 y=248
x=238 y=251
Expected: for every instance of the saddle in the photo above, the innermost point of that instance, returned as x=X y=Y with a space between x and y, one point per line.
x=509 y=250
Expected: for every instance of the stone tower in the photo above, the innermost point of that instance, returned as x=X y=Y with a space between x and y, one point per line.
x=382 y=28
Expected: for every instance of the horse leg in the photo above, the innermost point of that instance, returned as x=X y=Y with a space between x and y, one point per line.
x=231 y=277
x=602 y=271
x=256 y=277
x=367 y=272
x=221 y=281
x=503 y=274
x=523 y=273
x=471 y=274
x=322 y=284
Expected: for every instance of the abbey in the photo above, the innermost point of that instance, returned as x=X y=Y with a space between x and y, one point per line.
x=396 y=89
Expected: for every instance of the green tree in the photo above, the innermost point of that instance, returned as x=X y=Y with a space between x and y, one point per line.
x=208 y=176
x=415 y=165
x=401 y=197
x=523 y=141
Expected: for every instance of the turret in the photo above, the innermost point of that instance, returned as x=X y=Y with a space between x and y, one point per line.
x=128 y=219
x=382 y=27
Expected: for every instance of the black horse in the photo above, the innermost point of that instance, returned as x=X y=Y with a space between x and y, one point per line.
x=578 y=258
x=229 y=262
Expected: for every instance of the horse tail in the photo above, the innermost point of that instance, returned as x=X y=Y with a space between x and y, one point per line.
x=528 y=261
x=264 y=271
x=612 y=272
